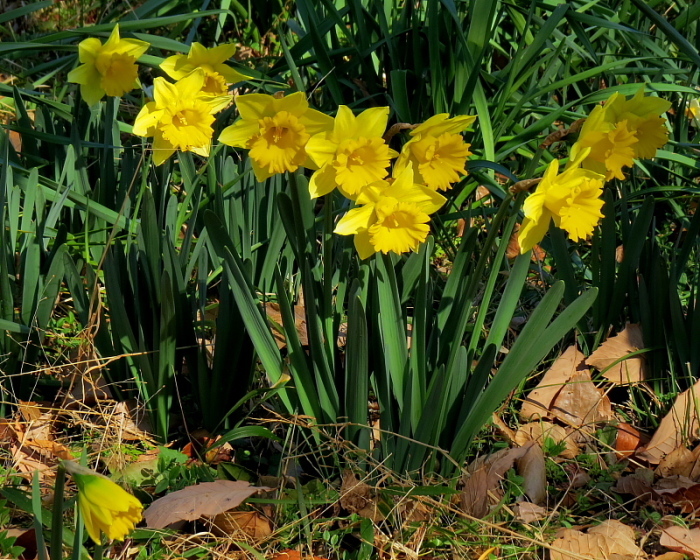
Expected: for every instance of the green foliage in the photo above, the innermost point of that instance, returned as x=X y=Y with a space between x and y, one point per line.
x=168 y=269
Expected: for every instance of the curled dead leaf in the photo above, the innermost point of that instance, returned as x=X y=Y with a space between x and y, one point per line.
x=625 y=371
x=538 y=402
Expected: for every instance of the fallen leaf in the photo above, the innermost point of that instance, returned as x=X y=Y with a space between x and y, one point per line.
x=680 y=539
x=609 y=540
x=531 y=466
x=627 y=371
x=275 y=315
x=357 y=497
x=481 y=488
x=527 y=512
x=670 y=556
x=241 y=524
x=541 y=431
x=580 y=403
x=680 y=461
x=205 y=499
x=678 y=426
x=538 y=402
x=639 y=484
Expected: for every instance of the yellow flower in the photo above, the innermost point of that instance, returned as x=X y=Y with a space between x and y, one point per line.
x=693 y=112
x=216 y=74
x=622 y=130
x=610 y=147
x=437 y=151
x=643 y=116
x=107 y=69
x=105 y=506
x=352 y=155
x=392 y=216
x=180 y=117
x=572 y=199
x=275 y=131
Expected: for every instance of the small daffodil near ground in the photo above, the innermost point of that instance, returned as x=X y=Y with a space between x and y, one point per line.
x=104 y=506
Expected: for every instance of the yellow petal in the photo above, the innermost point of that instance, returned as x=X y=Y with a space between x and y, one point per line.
x=231 y=75
x=355 y=220
x=372 y=122
x=363 y=245
x=176 y=66
x=164 y=93
x=239 y=133
x=147 y=119
x=532 y=232
x=261 y=173
x=316 y=122
x=321 y=149
x=88 y=50
x=220 y=54
x=322 y=181
x=162 y=149
x=296 y=104
x=254 y=106
x=191 y=85
x=344 y=125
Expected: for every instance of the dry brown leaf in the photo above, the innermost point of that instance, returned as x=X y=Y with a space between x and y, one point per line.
x=241 y=524
x=611 y=539
x=639 y=484
x=543 y=430
x=680 y=492
x=482 y=487
x=357 y=497
x=527 y=512
x=680 y=539
x=531 y=466
x=680 y=461
x=580 y=403
x=627 y=371
x=513 y=248
x=539 y=400
x=201 y=500
x=275 y=315
x=678 y=426
x=670 y=556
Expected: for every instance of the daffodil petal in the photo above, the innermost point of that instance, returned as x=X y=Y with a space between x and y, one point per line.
x=355 y=220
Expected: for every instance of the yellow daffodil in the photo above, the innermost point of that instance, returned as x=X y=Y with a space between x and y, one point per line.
x=622 y=130
x=105 y=506
x=179 y=117
x=276 y=131
x=610 y=146
x=642 y=113
x=437 y=151
x=351 y=155
x=216 y=74
x=391 y=216
x=572 y=199
x=693 y=112
x=107 y=69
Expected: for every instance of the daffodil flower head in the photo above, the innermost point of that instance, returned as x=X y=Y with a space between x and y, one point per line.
x=643 y=116
x=180 y=117
x=211 y=61
x=693 y=112
x=351 y=155
x=108 y=69
x=276 y=131
x=572 y=199
x=610 y=146
x=437 y=151
x=391 y=216
x=104 y=506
